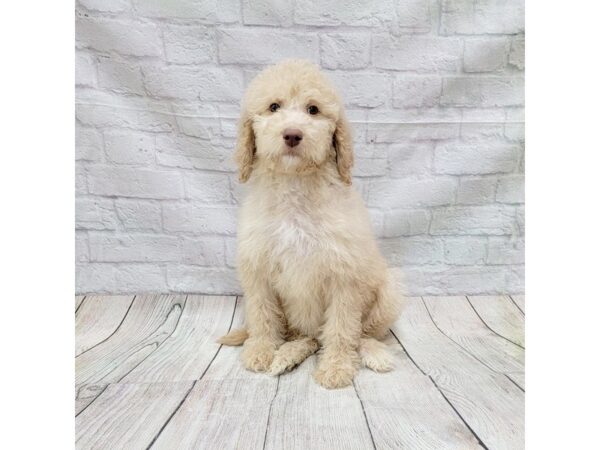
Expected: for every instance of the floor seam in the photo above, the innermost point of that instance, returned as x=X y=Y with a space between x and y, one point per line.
x=194 y=383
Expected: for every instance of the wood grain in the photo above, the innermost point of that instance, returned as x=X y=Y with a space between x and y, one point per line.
x=151 y=319
x=519 y=300
x=78 y=300
x=406 y=410
x=501 y=315
x=98 y=318
x=228 y=408
x=305 y=415
x=488 y=402
x=185 y=355
x=128 y=416
x=158 y=380
x=455 y=317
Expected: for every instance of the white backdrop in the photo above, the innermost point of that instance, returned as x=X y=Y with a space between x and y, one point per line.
x=434 y=90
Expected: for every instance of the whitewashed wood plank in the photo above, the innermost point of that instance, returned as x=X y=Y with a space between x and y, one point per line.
x=78 y=300
x=305 y=415
x=128 y=416
x=150 y=320
x=227 y=409
x=490 y=403
x=186 y=354
x=518 y=378
x=519 y=300
x=501 y=315
x=455 y=318
x=98 y=318
x=406 y=410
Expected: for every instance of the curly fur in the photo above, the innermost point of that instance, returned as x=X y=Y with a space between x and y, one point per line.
x=308 y=263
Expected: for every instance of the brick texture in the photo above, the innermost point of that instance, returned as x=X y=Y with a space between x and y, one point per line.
x=434 y=90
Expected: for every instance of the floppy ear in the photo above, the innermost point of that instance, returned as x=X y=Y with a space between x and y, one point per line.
x=245 y=147
x=344 y=152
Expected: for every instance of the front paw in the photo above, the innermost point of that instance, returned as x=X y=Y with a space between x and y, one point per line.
x=257 y=355
x=333 y=375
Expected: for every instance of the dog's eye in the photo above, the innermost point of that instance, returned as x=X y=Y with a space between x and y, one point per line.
x=312 y=110
x=274 y=107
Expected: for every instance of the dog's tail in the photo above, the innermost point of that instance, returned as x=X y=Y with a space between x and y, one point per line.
x=235 y=337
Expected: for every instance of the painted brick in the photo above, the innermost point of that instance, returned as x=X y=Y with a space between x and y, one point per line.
x=96 y=278
x=363 y=90
x=459 y=280
x=473 y=220
x=205 y=11
x=127 y=147
x=465 y=250
x=476 y=190
x=191 y=153
x=88 y=145
x=85 y=70
x=80 y=180
x=202 y=279
x=103 y=110
x=189 y=44
x=263 y=46
x=417 y=53
x=511 y=189
x=344 y=12
x=434 y=92
x=401 y=222
x=410 y=159
x=369 y=167
x=110 y=6
x=399 y=132
x=140 y=278
x=412 y=250
x=82 y=253
x=203 y=251
x=517 y=52
x=465 y=158
x=207 y=188
x=120 y=76
x=134 y=248
x=139 y=215
x=412 y=192
x=231 y=252
x=417 y=92
x=486 y=54
x=506 y=250
x=482 y=16
x=142 y=183
x=202 y=83
x=345 y=50
x=413 y=15
x=120 y=36
x=198 y=219
x=95 y=214
x=489 y=91
x=268 y=12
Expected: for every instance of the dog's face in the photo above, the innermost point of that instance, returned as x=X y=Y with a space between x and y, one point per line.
x=292 y=122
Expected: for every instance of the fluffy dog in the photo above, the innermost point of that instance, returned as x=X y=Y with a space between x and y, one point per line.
x=308 y=263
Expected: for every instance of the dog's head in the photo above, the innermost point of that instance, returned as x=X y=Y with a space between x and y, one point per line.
x=293 y=121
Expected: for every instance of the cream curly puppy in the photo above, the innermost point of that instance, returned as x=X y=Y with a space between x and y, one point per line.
x=308 y=262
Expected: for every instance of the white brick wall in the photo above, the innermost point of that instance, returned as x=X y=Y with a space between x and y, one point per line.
x=434 y=89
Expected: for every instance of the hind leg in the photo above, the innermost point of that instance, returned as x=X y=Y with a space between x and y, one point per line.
x=292 y=353
x=375 y=355
x=384 y=311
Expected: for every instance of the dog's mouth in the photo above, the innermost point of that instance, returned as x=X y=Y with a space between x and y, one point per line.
x=292 y=151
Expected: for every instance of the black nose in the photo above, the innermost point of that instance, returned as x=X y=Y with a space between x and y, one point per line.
x=292 y=136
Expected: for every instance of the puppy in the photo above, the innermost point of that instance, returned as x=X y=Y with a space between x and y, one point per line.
x=308 y=263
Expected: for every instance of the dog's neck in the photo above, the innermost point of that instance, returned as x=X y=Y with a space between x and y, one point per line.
x=319 y=185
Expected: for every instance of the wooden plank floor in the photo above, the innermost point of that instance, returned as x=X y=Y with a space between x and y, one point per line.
x=149 y=374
